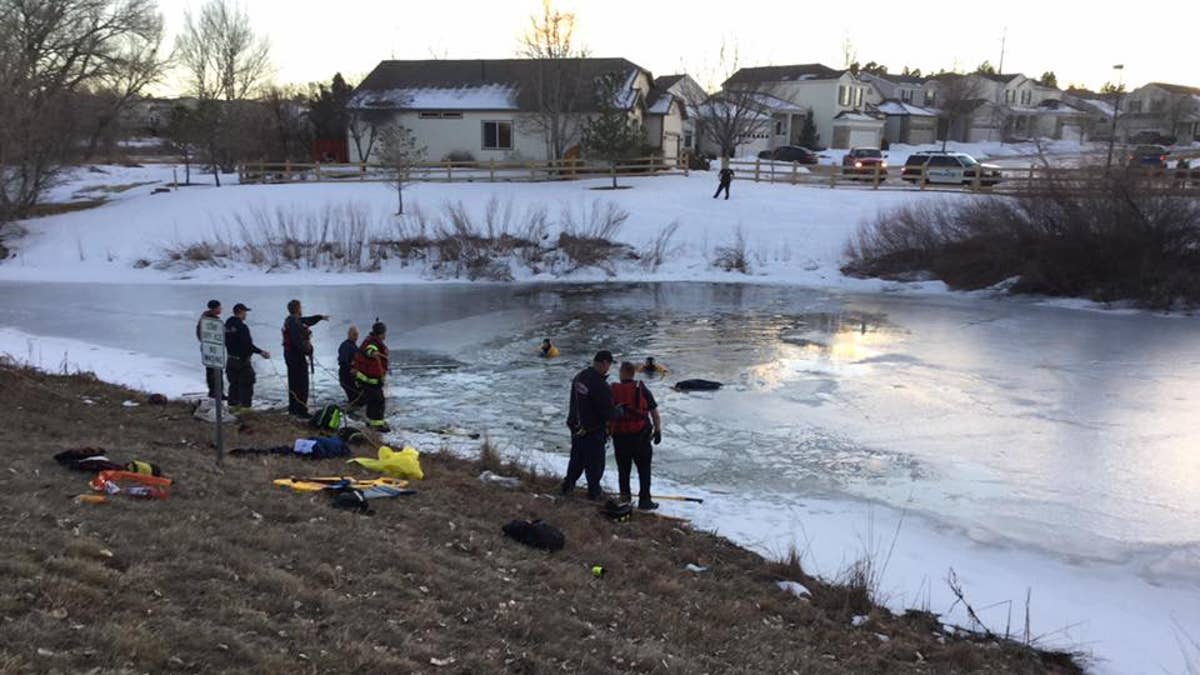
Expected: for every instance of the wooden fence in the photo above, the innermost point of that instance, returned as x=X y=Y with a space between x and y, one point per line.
x=1184 y=182
x=460 y=172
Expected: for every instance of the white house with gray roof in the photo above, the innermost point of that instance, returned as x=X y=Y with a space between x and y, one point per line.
x=486 y=109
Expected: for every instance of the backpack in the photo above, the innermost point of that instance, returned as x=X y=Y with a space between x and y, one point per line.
x=538 y=534
x=616 y=512
x=329 y=417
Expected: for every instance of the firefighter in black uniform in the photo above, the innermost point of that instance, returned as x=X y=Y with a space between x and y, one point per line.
x=346 y=352
x=239 y=347
x=297 y=350
x=590 y=410
x=211 y=375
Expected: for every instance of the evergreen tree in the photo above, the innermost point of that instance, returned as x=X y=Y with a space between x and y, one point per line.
x=327 y=108
x=613 y=134
x=986 y=68
x=808 y=132
x=1049 y=79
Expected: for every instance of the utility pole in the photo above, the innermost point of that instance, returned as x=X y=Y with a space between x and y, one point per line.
x=1112 y=138
x=1003 y=43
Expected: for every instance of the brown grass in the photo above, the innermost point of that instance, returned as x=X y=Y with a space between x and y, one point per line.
x=57 y=208
x=234 y=575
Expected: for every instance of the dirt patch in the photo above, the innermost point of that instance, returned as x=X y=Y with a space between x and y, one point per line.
x=233 y=574
x=57 y=208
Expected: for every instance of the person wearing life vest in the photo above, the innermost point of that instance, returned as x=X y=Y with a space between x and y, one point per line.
x=632 y=432
x=652 y=368
x=211 y=375
x=370 y=368
x=547 y=350
x=297 y=352
x=589 y=411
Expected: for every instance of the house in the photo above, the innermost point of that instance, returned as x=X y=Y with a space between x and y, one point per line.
x=905 y=102
x=493 y=109
x=1167 y=109
x=836 y=100
x=691 y=95
x=982 y=107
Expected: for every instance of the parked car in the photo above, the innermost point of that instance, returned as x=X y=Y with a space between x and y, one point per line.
x=956 y=168
x=1147 y=157
x=1151 y=138
x=864 y=162
x=790 y=153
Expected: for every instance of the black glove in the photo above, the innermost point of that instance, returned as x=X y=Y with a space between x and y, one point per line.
x=657 y=436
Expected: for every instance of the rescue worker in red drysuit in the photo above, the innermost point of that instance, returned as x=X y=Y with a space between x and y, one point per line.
x=370 y=368
x=632 y=432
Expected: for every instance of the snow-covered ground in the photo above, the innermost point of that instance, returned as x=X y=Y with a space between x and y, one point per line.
x=793 y=234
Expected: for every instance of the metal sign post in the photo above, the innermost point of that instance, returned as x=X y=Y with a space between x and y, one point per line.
x=212 y=354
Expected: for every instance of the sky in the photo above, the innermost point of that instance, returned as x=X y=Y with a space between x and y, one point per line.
x=1079 y=41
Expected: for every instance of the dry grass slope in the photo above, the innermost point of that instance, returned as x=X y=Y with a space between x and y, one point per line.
x=233 y=575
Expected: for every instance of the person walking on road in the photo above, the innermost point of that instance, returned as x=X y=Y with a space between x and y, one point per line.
x=297 y=354
x=370 y=370
x=590 y=409
x=725 y=176
x=211 y=375
x=346 y=352
x=239 y=347
x=632 y=433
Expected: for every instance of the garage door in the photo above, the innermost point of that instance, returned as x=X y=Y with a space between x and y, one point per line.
x=868 y=138
x=1072 y=133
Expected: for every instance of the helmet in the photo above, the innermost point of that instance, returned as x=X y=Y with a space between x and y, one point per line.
x=378 y=328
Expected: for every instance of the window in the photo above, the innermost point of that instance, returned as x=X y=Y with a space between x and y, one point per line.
x=779 y=128
x=497 y=135
x=930 y=98
x=687 y=140
x=843 y=95
x=1135 y=106
x=1158 y=104
x=943 y=160
x=906 y=95
x=858 y=97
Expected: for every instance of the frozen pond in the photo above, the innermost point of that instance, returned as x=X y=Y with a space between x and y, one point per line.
x=1061 y=434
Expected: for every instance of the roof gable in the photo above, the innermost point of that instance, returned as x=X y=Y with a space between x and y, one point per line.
x=1176 y=88
x=795 y=73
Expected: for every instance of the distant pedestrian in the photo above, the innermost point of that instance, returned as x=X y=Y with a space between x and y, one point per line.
x=589 y=411
x=297 y=353
x=632 y=433
x=211 y=375
x=346 y=353
x=370 y=371
x=726 y=179
x=239 y=347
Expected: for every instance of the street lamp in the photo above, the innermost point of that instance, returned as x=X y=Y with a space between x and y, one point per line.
x=1112 y=138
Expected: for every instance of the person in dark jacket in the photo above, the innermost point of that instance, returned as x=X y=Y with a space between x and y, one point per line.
x=589 y=411
x=211 y=375
x=239 y=347
x=726 y=179
x=632 y=432
x=297 y=352
x=346 y=352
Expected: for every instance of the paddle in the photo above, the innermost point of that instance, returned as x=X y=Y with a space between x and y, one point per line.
x=678 y=498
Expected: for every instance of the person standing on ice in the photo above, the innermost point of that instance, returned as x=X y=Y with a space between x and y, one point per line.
x=239 y=347
x=297 y=354
x=589 y=411
x=726 y=179
x=370 y=369
x=211 y=375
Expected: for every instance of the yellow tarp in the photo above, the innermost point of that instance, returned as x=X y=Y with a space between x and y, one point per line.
x=403 y=464
x=318 y=484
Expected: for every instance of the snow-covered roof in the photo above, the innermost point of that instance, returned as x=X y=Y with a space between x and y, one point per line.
x=1103 y=107
x=480 y=97
x=855 y=116
x=892 y=107
x=661 y=105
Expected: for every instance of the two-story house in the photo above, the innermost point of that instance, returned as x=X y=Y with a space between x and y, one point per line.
x=836 y=100
x=496 y=108
x=689 y=93
x=906 y=103
x=1171 y=110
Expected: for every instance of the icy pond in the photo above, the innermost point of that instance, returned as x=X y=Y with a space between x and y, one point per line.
x=1031 y=448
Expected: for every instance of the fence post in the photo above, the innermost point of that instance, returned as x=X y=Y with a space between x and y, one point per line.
x=683 y=164
x=449 y=172
x=532 y=172
x=757 y=168
x=978 y=182
x=362 y=171
x=878 y=166
x=287 y=170
x=924 y=177
x=318 y=172
x=492 y=170
x=833 y=174
x=795 y=172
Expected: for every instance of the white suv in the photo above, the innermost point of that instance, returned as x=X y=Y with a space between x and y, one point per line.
x=956 y=168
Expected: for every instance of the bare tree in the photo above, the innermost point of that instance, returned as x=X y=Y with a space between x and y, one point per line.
x=734 y=114
x=550 y=42
x=51 y=52
x=220 y=52
x=363 y=125
x=957 y=97
x=225 y=61
x=138 y=64
x=399 y=152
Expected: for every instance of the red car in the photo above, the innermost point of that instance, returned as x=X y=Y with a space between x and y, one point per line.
x=863 y=162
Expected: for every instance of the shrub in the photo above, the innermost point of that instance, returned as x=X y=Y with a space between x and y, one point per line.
x=459 y=156
x=733 y=258
x=1122 y=239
